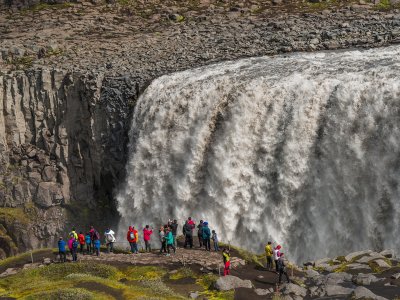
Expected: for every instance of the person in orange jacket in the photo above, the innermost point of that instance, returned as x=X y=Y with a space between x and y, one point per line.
x=133 y=237
x=81 y=239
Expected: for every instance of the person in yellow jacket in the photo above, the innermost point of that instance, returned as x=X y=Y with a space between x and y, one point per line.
x=268 y=253
x=227 y=261
x=73 y=234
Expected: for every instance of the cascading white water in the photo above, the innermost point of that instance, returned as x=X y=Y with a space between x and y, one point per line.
x=302 y=149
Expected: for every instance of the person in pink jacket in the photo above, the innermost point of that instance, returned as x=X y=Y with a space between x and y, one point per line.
x=147 y=232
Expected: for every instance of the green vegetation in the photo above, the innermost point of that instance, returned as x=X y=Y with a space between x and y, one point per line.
x=22 y=63
x=11 y=214
x=184 y=272
x=207 y=282
x=249 y=257
x=86 y=281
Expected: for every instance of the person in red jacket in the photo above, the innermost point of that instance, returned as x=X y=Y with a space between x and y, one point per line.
x=147 y=232
x=81 y=239
x=133 y=237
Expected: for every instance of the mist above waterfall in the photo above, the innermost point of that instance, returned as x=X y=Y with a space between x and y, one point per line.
x=303 y=150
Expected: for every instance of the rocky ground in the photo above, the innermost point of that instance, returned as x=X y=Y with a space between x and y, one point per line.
x=358 y=275
x=71 y=72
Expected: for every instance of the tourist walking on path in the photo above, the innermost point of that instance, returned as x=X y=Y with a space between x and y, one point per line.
x=147 y=232
x=206 y=236
x=282 y=268
x=276 y=257
x=133 y=237
x=81 y=239
x=174 y=228
x=163 y=247
x=214 y=237
x=110 y=240
x=88 y=242
x=200 y=233
x=227 y=261
x=188 y=233
x=61 y=250
x=268 y=253
x=170 y=241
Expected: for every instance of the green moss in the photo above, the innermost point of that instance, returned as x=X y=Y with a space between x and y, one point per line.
x=22 y=63
x=341 y=258
x=374 y=267
x=144 y=273
x=207 y=282
x=63 y=294
x=184 y=272
x=342 y=268
x=11 y=214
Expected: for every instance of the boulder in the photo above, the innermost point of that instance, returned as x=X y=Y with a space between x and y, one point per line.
x=364 y=293
x=334 y=290
x=389 y=253
x=372 y=256
x=335 y=278
x=295 y=289
x=395 y=276
x=365 y=279
x=358 y=266
x=8 y=272
x=230 y=282
x=382 y=264
x=311 y=273
x=194 y=295
x=353 y=255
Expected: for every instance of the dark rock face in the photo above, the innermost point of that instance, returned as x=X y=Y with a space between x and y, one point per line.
x=63 y=140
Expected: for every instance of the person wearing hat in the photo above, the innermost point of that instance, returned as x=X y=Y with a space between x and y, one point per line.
x=206 y=236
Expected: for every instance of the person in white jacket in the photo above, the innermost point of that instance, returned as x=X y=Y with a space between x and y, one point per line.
x=277 y=254
x=110 y=240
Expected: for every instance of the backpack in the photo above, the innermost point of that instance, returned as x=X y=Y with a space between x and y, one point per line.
x=109 y=238
x=75 y=244
x=131 y=235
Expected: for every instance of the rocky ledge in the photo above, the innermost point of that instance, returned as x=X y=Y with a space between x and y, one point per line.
x=71 y=72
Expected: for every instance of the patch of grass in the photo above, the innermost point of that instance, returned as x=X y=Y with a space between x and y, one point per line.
x=341 y=258
x=184 y=272
x=144 y=273
x=12 y=214
x=374 y=267
x=342 y=268
x=249 y=257
x=63 y=294
x=22 y=63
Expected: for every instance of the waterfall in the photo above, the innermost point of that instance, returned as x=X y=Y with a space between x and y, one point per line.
x=301 y=149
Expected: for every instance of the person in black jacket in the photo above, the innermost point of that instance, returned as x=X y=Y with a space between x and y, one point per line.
x=188 y=233
x=174 y=229
x=282 y=268
x=200 y=233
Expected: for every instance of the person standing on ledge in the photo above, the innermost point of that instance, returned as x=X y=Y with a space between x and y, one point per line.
x=200 y=233
x=277 y=254
x=227 y=261
x=282 y=268
x=162 y=240
x=215 y=240
x=131 y=237
x=147 y=232
x=206 y=236
x=174 y=229
x=170 y=241
x=188 y=233
x=268 y=253
x=88 y=242
x=110 y=240
x=61 y=250
x=81 y=239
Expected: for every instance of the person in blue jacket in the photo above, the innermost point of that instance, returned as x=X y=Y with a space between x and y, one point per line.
x=97 y=247
x=88 y=242
x=206 y=236
x=61 y=250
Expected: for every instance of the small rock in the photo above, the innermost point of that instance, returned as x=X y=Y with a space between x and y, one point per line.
x=262 y=292
x=365 y=279
x=352 y=255
x=194 y=295
x=333 y=290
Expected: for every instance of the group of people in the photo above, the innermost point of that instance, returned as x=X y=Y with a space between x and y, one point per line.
x=274 y=253
x=204 y=234
x=88 y=243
